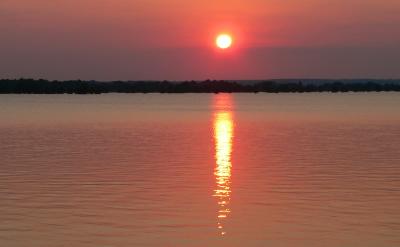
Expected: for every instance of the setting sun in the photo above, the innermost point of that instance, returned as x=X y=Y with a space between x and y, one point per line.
x=223 y=41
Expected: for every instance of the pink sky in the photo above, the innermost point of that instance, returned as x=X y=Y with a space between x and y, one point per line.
x=158 y=39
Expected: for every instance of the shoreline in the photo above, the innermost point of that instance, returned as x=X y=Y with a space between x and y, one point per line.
x=31 y=86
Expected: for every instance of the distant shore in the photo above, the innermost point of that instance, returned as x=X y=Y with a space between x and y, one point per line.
x=31 y=86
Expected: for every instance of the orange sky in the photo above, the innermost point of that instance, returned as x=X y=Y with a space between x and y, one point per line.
x=41 y=33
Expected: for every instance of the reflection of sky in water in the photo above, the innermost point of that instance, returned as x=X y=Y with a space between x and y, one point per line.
x=223 y=134
x=129 y=170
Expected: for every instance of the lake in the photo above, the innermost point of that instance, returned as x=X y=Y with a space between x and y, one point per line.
x=317 y=169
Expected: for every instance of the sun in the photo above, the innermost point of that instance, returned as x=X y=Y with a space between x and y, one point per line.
x=223 y=41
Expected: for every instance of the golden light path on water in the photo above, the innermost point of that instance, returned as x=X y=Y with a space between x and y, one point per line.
x=223 y=137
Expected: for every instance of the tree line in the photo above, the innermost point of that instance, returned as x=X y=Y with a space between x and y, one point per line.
x=31 y=86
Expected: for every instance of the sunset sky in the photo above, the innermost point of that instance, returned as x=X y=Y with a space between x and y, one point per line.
x=175 y=39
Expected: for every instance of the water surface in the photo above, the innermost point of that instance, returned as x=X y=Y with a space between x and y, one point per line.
x=200 y=170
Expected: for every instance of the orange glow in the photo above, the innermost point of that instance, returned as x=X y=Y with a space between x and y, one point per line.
x=224 y=41
x=223 y=135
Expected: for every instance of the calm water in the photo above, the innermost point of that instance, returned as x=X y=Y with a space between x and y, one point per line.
x=200 y=170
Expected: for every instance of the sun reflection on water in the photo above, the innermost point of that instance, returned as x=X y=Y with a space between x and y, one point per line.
x=223 y=137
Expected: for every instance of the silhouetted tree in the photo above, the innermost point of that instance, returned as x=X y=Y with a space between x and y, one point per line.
x=41 y=86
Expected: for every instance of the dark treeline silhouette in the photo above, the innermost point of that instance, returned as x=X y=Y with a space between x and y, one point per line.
x=31 y=86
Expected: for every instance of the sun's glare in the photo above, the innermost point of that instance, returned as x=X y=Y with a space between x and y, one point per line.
x=223 y=135
x=223 y=41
